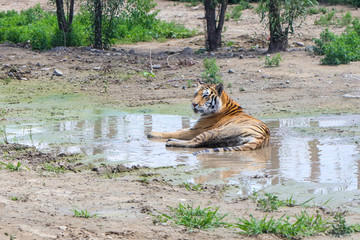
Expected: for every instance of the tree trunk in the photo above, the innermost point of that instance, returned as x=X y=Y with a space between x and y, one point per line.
x=98 y=24
x=64 y=25
x=213 y=31
x=278 y=37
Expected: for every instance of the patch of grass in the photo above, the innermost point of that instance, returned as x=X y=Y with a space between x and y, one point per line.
x=11 y=167
x=51 y=168
x=196 y=217
x=83 y=214
x=304 y=225
x=211 y=74
x=317 y=10
x=274 y=61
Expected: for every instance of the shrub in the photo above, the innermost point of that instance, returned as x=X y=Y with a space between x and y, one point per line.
x=273 y=61
x=40 y=40
x=211 y=74
x=339 y=49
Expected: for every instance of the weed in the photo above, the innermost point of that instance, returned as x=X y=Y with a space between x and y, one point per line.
x=339 y=227
x=192 y=187
x=273 y=61
x=144 y=180
x=196 y=217
x=317 y=10
x=211 y=74
x=83 y=214
x=149 y=75
x=270 y=202
x=6 y=80
x=236 y=12
x=12 y=167
x=229 y=85
x=327 y=19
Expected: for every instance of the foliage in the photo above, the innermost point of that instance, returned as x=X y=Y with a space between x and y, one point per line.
x=137 y=22
x=274 y=61
x=304 y=225
x=340 y=49
x=196 y=217
x=290 y=11
x=51 y=168
x=192 y=187
x=211 y=74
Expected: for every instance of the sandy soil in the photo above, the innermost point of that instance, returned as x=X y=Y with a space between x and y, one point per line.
x=124 y=203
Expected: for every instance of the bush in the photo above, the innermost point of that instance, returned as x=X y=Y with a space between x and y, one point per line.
x=339 y=49
x=211 y=74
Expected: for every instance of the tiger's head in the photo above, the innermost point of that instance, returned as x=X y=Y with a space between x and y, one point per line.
x=207 y=99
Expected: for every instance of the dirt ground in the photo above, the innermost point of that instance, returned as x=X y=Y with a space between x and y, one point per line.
x=125 y=204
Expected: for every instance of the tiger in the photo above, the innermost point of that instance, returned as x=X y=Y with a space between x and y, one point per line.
x=223 y=125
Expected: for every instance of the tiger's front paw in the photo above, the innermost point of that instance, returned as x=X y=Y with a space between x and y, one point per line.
x=174 y=143
x=154 y=135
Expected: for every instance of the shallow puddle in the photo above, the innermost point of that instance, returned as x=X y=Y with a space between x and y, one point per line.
x=321 y=150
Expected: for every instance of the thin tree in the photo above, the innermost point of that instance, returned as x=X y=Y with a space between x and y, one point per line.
x=64 y=21
x=98 y=24
x=214 y=22
x=281 y=16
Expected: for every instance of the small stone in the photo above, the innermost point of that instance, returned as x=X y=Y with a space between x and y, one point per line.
x=299 y=44
x=183 y=87
x=57 y=72
x=188 y=50
x=24 y=79
x=241 y=57
x=231 y=71
x=132 y=51
x=309 y=49
x=287 y=82
x=156 y=66
x=45 y=69
x=97 y=68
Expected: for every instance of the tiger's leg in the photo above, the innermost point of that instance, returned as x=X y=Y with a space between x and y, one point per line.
x=225 y=137
x=184 y=134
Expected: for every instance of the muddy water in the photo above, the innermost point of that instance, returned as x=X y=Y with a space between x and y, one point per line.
x=321 y=150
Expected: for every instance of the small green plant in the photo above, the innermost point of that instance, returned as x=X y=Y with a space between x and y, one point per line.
x=15 y=199
x=83 y=214
x=236 y=12
x=327 y=19
x=274 y=61
x=339 y=227
x=12 y=167
x=211 y=74
x=144 y=180
x=269 y=202
x=192 y=187
x=196 y=217
x=149 y=75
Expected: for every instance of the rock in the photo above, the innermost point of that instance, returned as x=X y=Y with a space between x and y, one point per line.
x=356 y=95
x=57 y=72
x=231 y=71
x=183 y=87
x=241 y=57
x=287 y=82
x=97 y=68
x=132 y=51
x=24 y=79
x=45 y=69
x=156 y=66
x=188 y=50
x=309 y=49
x=196 y=8
x=299 y=44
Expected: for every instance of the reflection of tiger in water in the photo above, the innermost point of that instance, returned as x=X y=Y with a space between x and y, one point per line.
x=223 y=125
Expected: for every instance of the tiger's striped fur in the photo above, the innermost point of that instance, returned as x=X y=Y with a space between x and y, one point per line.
x=223 y=125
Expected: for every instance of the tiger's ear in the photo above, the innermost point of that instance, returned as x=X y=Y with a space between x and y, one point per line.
x=219 y=88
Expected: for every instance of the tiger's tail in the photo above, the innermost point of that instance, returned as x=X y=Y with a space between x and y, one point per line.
x=222 y=149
